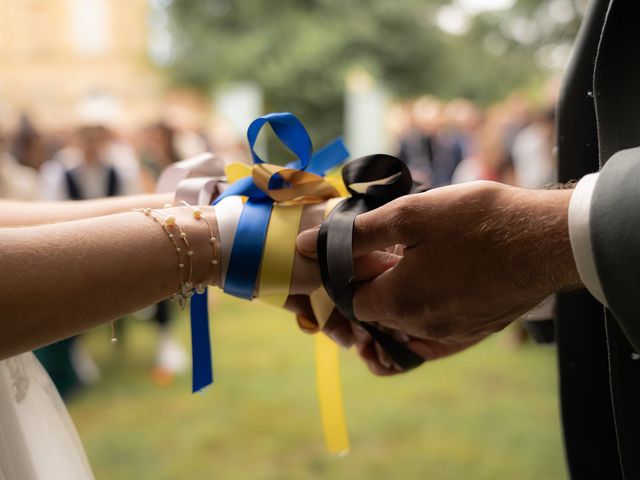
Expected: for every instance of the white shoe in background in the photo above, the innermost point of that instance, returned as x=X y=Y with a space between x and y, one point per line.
x=172 y=356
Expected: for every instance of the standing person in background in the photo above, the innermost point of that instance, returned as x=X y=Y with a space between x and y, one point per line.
x=157 y=150
x=465 y=119
x=435 y=143
x=17 y=182
x=95 y=166
x=447 y=147
x=532 y=152
x=488 y=160
x=161 y=144
x=29 y=147
x=416 y=148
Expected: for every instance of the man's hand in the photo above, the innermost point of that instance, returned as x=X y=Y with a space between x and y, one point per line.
x=477 y=256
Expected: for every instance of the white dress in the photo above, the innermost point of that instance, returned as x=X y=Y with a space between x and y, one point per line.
x=38 y=440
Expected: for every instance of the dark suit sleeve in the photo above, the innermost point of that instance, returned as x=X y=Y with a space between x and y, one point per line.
x=615 y=237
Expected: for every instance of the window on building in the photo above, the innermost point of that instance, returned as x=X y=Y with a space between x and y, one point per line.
x=90 y=26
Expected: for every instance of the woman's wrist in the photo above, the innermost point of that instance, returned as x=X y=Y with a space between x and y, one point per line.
x=200 y=228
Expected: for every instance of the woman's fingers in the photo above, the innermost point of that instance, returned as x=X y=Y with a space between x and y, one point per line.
x=338 y=329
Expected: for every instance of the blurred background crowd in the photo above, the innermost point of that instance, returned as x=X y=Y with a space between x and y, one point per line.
x=443 y=142
x=97 y=97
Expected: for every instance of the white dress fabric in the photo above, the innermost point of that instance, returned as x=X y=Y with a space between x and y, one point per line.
x=38 y=440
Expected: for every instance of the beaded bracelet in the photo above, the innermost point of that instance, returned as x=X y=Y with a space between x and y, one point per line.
x=185 y=288
x=199 y=215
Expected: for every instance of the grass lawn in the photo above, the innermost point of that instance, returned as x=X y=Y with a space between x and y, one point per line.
x=489 y=413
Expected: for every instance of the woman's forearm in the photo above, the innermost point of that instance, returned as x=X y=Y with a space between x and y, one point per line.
x=18 y=214
x=59 y=280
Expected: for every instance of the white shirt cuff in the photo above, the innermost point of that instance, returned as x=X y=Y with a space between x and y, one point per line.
x=580 y=235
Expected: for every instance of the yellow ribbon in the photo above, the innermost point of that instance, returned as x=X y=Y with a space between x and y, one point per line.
x=327 y=355
x=277 y=270
x=279 y=253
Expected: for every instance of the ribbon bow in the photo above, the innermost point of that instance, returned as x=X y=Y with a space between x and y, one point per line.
x=372 y=181
x=300 y=181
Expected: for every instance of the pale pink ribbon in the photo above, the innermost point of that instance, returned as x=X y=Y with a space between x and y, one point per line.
x=196 y=180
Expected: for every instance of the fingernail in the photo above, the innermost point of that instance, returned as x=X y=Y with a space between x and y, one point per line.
x=384 y=361
x=359 y=328
x=307 y=325
x=403 y=337
x=307 y=241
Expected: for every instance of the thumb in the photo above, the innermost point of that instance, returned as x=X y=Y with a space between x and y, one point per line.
x=374 y=230
x=307 y=242
x=377 y=230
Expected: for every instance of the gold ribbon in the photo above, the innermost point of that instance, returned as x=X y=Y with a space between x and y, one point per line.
x=304 y=187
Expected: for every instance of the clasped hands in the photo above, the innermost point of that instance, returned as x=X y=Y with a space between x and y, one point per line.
x=444 y=269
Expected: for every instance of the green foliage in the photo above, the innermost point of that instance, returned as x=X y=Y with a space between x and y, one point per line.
x=299 y=52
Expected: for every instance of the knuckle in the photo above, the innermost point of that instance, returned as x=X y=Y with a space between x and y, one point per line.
x=404 y=216
x=436 y=330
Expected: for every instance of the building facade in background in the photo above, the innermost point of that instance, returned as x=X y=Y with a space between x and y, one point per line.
x=68 y=62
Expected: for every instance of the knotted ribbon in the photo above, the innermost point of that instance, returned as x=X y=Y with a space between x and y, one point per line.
x=372 y=181
x=300 y=181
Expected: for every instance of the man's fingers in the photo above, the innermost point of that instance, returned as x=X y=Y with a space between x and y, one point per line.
x=432 y=349
x=377 y=229
x=378 y=299
x=367 y=350
x=374 y=230
x=372 y=264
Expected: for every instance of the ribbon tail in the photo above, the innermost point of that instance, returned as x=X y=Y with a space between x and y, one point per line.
x=330 y=395
x=328 y=157
x=243 y=187
x=200 y=343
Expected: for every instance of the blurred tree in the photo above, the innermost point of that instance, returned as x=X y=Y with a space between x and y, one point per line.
x=300 y=51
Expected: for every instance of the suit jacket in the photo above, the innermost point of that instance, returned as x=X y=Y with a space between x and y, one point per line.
x=599 y=126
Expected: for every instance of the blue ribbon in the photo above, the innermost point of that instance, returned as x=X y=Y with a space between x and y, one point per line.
x=246 y=253
x=202 y=371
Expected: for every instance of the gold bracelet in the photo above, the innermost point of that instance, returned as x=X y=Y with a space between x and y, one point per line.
x=185 y=288
x=213 y=241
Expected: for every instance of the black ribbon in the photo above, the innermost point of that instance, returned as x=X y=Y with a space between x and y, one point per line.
x=335 y=240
